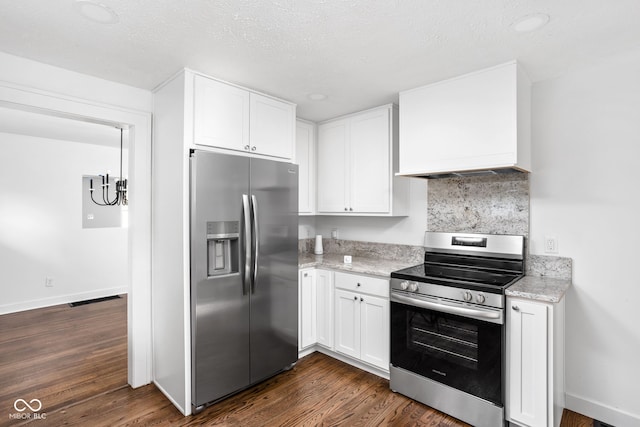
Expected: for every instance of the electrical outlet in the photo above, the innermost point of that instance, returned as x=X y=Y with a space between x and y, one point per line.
x=550 y=245
x=48 y=282
x=334 y=233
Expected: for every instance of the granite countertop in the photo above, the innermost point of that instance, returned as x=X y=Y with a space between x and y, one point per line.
x=361 y=265
x=539 y=288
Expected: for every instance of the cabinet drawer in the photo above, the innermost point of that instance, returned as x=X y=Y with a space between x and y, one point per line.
x=364 y=284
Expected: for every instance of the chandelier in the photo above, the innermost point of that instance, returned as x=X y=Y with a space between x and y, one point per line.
x=120 y=196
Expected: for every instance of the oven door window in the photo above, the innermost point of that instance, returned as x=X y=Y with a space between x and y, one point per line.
x=457 y=351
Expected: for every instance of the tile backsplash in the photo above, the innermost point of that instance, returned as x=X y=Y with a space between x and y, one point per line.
x=496 y=204
x=549 y=266
x=390 y=251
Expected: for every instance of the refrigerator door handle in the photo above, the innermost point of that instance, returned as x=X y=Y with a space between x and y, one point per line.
x=246 y=214
x=256 y=241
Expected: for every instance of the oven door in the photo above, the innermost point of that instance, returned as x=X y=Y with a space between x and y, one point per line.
x=449 y=342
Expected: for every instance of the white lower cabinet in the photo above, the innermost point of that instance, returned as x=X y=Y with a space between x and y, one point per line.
x=362 y=318
x=307 y=317
x=535 y=362
x=347 y=323
x=315 y=308
x=345 y=314
x=324 y=307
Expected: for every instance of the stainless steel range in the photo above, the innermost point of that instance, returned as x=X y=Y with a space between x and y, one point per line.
x=448 y=324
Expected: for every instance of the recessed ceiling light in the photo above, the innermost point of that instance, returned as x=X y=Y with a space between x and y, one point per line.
x=317 y=96
x=529 y=23
x=96 y=11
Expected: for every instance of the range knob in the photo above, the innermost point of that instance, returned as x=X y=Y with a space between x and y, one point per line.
x=480 y=298
x=467 y=296
x=413 y=286
x=404 y=285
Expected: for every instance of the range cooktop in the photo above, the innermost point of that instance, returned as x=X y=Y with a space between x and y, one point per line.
x=488 y=263
x=459 y=277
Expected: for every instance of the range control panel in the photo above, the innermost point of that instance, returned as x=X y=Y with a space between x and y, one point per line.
x=457 y=294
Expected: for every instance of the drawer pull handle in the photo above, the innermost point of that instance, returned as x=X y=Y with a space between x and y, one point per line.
x=515 y=308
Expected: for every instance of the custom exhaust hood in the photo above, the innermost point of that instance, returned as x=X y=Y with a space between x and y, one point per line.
x=471 y=125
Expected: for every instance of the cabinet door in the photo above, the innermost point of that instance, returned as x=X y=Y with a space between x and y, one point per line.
x=332 y=165
x=305 y=158
x=221 y=115
x=324 y=301
x=528 y=362
x=307 y=309
x=374 y=335
x=347 y=323
x=370 y=167
x=272 y=127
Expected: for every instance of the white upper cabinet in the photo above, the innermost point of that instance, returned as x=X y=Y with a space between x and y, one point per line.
x=234 y=118
x=221 y=115
x=332 y=166
x=271 y=126
x=478 y=121
x=370 y=155
x=306 y=159
x=356 y=164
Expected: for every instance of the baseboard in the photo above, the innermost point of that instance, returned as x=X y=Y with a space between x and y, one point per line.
x=306 y=351
x=353 y=362
x=60 y=299
x=601 y=412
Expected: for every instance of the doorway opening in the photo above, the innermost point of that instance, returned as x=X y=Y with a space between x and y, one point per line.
x=50 y=351
x=137 y=283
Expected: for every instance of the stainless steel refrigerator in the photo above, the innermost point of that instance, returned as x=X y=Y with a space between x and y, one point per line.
x=244 y=272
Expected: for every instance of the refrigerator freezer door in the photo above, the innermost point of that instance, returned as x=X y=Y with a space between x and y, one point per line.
x=274 y=298
x=220 y=310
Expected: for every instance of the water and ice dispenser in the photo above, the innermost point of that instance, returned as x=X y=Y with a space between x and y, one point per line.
x=222 y=247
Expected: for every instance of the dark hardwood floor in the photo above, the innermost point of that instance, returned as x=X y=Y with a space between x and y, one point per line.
x=62 y=355
x=74 y=361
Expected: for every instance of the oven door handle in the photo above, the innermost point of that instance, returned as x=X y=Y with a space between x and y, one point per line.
x=491 y=316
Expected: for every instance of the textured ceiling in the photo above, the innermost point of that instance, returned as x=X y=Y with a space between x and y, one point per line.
x=360 y=53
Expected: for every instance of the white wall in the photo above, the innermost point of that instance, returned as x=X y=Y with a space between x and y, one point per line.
x=407 y=230
x=41 y=232
x=584 y=191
